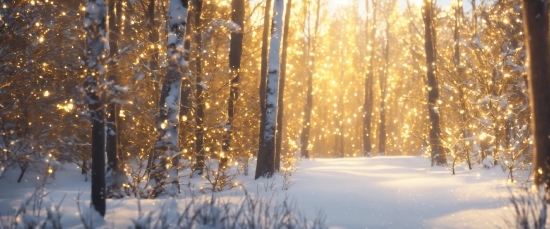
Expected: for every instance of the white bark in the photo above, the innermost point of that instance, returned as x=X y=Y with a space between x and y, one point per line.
x=272 y=90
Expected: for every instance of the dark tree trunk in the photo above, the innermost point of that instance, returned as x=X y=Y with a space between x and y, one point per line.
x=115 y=177
x=96 y=33
x=437 y=153
x=235 y=54
x=199 y=97
x=282 y=80
x=535 y=17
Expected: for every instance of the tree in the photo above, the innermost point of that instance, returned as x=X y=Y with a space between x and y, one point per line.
x=266 y=153
x=310 y=60
x=114 y=173
x=383 y=79
x=199 y=97
x=535 y=17
x=95 y=23
x=166 y=145
x=280 y=113
x=437 y=153
x=235 y=54
x=370 y=27
x=263 y=67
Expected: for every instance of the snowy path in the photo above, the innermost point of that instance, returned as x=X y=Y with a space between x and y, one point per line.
x=400 y=192
x=379 y=192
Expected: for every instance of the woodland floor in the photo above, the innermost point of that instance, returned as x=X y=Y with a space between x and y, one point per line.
x=379 y=192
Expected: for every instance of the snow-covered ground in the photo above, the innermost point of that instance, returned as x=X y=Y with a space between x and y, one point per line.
x=379 y=192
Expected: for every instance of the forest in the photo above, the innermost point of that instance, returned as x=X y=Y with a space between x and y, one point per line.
x=145 y=97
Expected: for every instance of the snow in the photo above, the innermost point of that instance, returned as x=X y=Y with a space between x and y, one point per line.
x=379 y=192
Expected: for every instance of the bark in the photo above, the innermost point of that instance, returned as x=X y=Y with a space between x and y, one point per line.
x=199 y=98
x=383 y=81
x=235 y=54
x=115 y=176
x=266 y=153
x=166 y=145
x=462 y=97
x=282 y=80
x=263 y=67
x=535 y=17
x=369 y=78
x=96 y=34
x=308 y=108
x=437 y=153
x=153 y=62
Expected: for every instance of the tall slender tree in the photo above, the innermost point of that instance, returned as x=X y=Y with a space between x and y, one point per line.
x=266 y=153
x=115 y=176
x=535 y=17
x=311 y=47
x=370 y=25
x=166 y=145
x=199 y=97
x=437 y=153
x=280 y=113
x=263 y=66
x=235 y=54
x=95 y=24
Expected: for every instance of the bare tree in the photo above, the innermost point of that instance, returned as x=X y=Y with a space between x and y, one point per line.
x=114 y=175
x=263 y=66
x=282 y=80
x=95 y=24
x=199 y=97
x=535 y=17
x=437 y=153
x=310 y=59
x=369 y=78
x=266 y=153
x=235 y=54
x=166 y=145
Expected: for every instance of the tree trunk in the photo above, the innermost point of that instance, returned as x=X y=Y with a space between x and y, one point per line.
x=167 y=143
x=308 y=108
x=153 y=62
x=369 y=78
x=437 y=153
x=96 y=34
x=535 y=17
x=263 y=67
x=383 y=81
x=235 y=54
x=115 y=177
x=199 y=98
x=280 y=113
x=266 y=153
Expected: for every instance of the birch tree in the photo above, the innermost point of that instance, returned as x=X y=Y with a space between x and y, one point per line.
x=263 y=66
x=166 y=145
x=95 y=24
x=266 y=153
